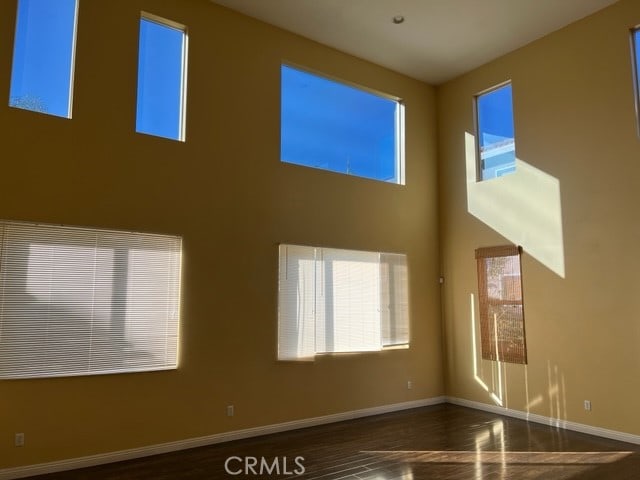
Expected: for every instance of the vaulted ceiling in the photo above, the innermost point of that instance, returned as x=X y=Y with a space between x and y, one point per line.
x=438 y=39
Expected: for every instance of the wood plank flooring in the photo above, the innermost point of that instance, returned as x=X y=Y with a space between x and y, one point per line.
x=435 y=443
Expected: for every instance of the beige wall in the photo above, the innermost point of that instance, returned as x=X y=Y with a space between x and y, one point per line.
x=227 y=193
x=572 y=205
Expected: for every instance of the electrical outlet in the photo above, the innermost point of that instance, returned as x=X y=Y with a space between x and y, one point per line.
x=587 y=405
x=409 y=384
x=18 y=440
x=230 y=410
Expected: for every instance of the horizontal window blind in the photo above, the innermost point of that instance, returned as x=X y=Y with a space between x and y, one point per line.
x=297 y=302
x=82 y=301
x=333 y=300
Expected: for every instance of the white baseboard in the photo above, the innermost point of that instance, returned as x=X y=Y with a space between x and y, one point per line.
x=92 y=460
x=554 y=422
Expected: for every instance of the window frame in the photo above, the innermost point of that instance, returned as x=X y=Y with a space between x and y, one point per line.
x=635 y=72
x=182 y=116
x=476 y=126
x=399 y=123
x=72 y=65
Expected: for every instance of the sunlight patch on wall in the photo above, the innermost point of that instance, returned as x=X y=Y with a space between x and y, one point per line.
x=556 y=393
x=524 y=207
x=495 y=391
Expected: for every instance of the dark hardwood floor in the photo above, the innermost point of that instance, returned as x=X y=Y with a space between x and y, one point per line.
x=438 y=442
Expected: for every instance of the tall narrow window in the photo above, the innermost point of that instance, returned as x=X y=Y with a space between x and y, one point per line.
x=501 y=311
x=81 y=301
x=635 y=48
x=43 y=56
x=495 y=135
x=334 y=300
x=337 y=127
x=162 y=73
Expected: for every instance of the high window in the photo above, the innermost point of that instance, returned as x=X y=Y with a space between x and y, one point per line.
x=162 y=74
x=79 y=301
x=334 y=300
x=501 y=310
x=635 y=48
x=495 y=136
x=43 y=56
x=337 y=127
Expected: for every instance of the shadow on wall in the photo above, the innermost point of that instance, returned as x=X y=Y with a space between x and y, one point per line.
x=523 y=207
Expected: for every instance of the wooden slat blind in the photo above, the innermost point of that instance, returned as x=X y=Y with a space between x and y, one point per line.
x=502 y=329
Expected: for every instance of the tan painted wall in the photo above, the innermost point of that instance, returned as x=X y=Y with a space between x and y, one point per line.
x=572 y=205
x=227 y=193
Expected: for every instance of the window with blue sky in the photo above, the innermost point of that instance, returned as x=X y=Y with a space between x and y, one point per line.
x=635 y=37
x=43 y=56
x=337 y=127
x=495 y=133
x=162 y=70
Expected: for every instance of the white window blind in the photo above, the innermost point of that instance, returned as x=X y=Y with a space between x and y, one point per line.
x=333 y=300
x=81 y=301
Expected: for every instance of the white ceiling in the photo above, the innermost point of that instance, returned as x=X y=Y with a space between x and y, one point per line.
x=439 y=40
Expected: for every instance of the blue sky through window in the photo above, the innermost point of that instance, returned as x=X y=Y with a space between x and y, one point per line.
x=336 y=127
x=636 y=43
x=42 y=72
x=496 y=132
x=636 y=39
x=161 y=73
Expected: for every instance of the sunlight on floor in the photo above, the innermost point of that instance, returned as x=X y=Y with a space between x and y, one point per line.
x=492 y=457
